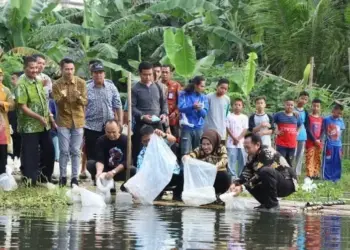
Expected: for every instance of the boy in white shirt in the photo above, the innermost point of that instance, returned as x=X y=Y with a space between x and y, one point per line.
x=237 y=126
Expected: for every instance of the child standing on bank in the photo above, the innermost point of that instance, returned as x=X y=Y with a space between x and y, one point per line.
x=261 y=123
x=313 y=126
x=237 y=127
x=333 y=127
x=287 y=131
x=302 y=136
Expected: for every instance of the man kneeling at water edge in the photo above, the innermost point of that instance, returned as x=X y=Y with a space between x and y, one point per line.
x=111 y=152
x=266 y=175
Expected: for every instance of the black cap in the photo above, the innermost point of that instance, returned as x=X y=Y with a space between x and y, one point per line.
x=97 y=67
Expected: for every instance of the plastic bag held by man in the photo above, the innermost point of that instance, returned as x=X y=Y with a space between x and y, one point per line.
x=85 y=197
x=236 y=203
x=7 y=181
x=199 y=180
x=156 y=171
x=104 y=186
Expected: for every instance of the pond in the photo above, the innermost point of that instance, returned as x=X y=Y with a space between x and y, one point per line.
x=147 y=227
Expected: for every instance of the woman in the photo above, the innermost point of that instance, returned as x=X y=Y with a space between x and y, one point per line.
x=6 y=104
x=212 y=151
x=193 y=106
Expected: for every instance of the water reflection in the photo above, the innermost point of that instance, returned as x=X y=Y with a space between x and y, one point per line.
x=148 y=227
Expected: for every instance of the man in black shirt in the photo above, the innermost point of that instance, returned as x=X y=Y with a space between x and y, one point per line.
x=111 y=154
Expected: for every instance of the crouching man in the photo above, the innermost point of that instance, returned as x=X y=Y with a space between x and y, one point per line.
x=111 y=154
x=266 y=175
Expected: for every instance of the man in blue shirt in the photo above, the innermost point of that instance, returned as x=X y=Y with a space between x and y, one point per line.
x=103 y=104
x=333 y=126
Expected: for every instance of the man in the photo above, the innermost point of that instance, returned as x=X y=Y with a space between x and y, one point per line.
x=149 y=105
x=157 y=72
x=103 y=104
x=111 y=154
x=70 y=96
x=266 y=175
x=172 y=94
x=34 y=124
x=91 y=63
x=45 y=79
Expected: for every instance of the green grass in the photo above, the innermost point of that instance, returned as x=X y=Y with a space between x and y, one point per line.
x=37 y=197
x=326 y=190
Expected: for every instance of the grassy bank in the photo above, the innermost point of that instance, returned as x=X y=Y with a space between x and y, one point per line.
x=37 y=197
x=326 y=191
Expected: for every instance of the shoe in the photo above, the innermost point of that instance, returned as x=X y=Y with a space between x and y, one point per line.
x=74 y=181
x=62 y=182
x=177 y=198
x=260 y=207
x=83 y=176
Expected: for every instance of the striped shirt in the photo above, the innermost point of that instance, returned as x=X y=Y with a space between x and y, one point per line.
x=102 y=102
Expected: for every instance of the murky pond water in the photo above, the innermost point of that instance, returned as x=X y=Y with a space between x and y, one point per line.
x=170 y=228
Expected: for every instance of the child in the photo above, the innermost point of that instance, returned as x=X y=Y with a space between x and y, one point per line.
x=237 y=127
x=333 y=126
x=219 y=106
x=302 y=137
x=53 y=131
x=313 y=126
x=287 y=124
x=261 y=123
x=177 y=179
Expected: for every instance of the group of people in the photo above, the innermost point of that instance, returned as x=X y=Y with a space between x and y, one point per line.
x=58 y=121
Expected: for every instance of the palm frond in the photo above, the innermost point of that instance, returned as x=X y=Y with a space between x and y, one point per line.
x=114 y=26
x=190 y=7
x=104 y=50
x=224 y=33
x=56 y=31
x=156 y=31
x=40 y=7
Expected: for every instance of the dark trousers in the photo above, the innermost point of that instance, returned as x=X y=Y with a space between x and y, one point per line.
x=272 y=185
x=287 y=153
x=16 y=141
x=121 y=176
x=222 y=182
x=136 y=138
x=176 y=181
x=37 y=156
x=3 y=158
x=91 y=137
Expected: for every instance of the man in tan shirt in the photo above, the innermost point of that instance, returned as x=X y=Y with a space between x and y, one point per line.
x=70 y=95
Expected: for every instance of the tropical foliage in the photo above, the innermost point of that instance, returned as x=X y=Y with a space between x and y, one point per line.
x=247 y=41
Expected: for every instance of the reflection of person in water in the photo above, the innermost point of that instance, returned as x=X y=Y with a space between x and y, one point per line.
x=270 y=229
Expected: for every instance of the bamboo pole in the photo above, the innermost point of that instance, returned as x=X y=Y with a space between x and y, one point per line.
x=311 y=78
x=349 y=62
x=128 y=159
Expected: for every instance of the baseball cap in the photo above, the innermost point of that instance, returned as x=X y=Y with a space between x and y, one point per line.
x=97 y=67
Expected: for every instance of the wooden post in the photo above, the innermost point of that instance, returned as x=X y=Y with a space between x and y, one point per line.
x=311 y=77
x=128 y=159
x=349 y=61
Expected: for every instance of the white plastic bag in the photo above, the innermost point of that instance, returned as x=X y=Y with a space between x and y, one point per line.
x=308 y=185
x=123 y=198
x=7 y=181
x=104 y=187
x=156 y=171
x=87 y=198
x=199 y=178
x=236 y=203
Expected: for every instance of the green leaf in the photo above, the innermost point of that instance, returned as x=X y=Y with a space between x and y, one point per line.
x=105 y=50
x=185 y=58
x=165 y=61
x=204 y=64
x=134 y=64
x=25 y=8
x=306 y=74
x=249 y=74
x=170 y=45
x=193 y=6
x=226 y=34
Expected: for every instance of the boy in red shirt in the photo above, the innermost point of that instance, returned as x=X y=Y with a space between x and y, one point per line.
x=313 y=127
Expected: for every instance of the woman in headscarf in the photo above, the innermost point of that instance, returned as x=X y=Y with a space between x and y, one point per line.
x=212 y=151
